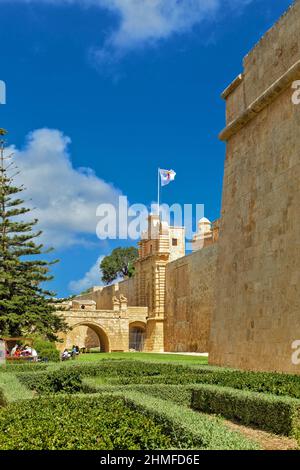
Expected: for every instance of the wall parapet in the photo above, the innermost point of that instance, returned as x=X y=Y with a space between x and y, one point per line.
x=266 y=98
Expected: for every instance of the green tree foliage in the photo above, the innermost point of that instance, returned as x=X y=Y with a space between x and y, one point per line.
x=119 y=264
x=25 y=307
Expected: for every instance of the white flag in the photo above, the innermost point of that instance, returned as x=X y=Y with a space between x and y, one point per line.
x=166 y=176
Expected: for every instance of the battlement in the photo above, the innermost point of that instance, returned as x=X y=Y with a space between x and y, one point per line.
x=268 y=69
x=162 y=239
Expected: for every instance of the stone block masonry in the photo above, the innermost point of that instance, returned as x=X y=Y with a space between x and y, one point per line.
x=257 y=310
x=190 y=293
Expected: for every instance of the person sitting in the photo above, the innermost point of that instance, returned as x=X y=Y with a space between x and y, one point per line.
x=74 y=352
x=26 y=351
x=17 y=352
x=65 y=355
x=34 y=355
x=12 y=353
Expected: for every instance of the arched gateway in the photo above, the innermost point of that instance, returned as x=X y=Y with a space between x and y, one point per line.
x=108 y=330
x=88 y=335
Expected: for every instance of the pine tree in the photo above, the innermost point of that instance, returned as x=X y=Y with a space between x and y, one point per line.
x=25 y=307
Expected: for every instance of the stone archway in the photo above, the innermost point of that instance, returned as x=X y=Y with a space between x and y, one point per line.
x=137 y=334
x=99 y=331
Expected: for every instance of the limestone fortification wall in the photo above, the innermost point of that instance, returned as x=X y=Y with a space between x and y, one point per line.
x=190 y=283
x=257 y=312
x=102 y=296
x=128 y=289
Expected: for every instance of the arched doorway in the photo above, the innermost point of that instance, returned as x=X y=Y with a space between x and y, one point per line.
x=88 y=335
x=137 y=332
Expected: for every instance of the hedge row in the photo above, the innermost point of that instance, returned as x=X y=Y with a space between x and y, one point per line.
x=180 y=394
x=129 y=372
x=260 y=382
x=130 y=369
x=280 y=415
x=124 y=372
x=24 y=366
x=67 y=381
x=2 y=398
x=187 y=428
x=78 y=423
x=273 y=383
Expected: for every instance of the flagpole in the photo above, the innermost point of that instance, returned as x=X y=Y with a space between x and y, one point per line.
x=158 y=191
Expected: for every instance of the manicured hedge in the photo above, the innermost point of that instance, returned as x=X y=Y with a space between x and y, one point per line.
x=280 y=415
x=78 y=422
x=68 y=381
x=130 y=369
x=23 y=367
x=127 y=372
x=261 y=382
x=124 y=372
x=2 y=398
x=187 y=428
x=180 y=394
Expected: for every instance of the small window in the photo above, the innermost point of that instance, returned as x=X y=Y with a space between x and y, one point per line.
x=174 y=242
x=82 y=307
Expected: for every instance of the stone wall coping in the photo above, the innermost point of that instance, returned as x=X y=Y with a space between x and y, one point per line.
x=90 y=313
x=233 y=85
x=183 y=260
x=267 y=97
x=156 y=319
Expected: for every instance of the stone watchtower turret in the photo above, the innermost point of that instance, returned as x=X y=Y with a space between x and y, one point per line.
x=159 y=245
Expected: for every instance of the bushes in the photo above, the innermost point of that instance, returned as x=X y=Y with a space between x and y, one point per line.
x=68 y=381
x=77 y=422
x=138 y=372
x=122 y=368
x=180 y=394
x=280 y=415
x=2 y=398
x=188 y=429
x=23 y=367
x=124 y=372
x=46 y=350
x=261 y=382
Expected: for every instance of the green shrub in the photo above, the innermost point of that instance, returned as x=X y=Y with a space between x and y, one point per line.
x=137 y=372
x=187 y=428
x=3 y=401
x=68 y=381
x=121 y=368
x=78 y=423
x=23 y=367
x=125 y=372
x=180 y=394
x=280 y=415
x=260 y=382
x=46 y=350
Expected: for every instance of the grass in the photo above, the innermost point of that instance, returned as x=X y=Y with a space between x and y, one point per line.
x=12 y=389
x=140 y=356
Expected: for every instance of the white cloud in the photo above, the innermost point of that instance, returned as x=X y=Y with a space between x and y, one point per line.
x=65 y=198
x=90 y=279
x=144 y=22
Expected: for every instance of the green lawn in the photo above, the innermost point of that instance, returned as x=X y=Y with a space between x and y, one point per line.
x=149 y=357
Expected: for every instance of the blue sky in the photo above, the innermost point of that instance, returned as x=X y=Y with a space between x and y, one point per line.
x=100 y=93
